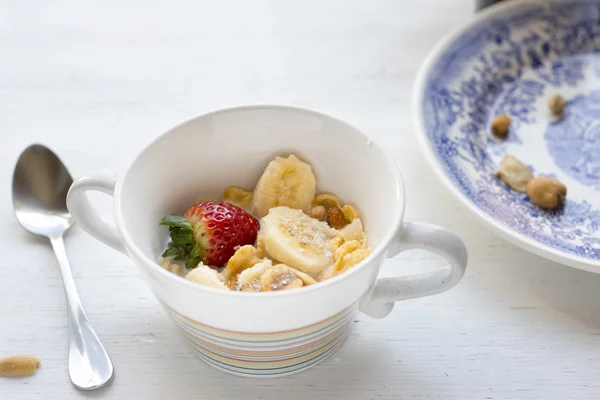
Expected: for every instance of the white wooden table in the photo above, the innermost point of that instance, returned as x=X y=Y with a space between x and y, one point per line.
x=97 y=80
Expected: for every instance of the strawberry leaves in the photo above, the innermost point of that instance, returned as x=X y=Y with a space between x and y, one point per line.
x=194 y=258
x=183 y=246
x=181 y=236
x=171 y=251
x=175 y=221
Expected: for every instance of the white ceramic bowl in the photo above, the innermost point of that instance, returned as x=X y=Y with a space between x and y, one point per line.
x=275 y=333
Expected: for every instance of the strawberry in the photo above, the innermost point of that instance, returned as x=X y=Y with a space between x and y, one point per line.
x=209 y=232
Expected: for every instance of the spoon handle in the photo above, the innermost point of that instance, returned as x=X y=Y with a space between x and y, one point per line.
x=89 y=365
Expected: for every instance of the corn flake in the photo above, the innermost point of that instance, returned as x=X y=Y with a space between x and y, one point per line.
x=350 y=260
x=349 y=212
x=238 y=196
x=354 y=231
x=348 y=255
x=261 y=251
x=244 y=258
x=346 y=248
x=326 y=200
x=335 y=244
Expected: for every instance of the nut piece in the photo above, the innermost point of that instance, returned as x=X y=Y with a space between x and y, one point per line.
x=350 y=213
x=514 y=173
x=335 y=218
x=556 y=105
x=18 y=365
x=279 y=277
x=546 y=192
x=318 y=212
x=500 y=125
x=326 y=200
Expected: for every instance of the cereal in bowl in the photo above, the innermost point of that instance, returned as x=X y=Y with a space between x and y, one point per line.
x=280 y=236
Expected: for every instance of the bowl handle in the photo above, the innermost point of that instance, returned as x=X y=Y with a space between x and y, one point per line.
x=380 y=299
x=84 y=214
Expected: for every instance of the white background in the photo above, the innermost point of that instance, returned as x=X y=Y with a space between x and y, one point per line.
x=98 y=80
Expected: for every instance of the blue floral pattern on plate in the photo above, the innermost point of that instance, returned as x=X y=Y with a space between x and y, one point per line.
x=510 y=62
x=580 y=130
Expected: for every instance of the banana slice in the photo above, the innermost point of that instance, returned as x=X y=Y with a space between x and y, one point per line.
x=285 y=182
x=206 y=276
x=297 y=240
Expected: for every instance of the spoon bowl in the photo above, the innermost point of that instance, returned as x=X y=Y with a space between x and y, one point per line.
x=40 y=186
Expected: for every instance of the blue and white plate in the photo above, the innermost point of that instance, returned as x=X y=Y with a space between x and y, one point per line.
x=509 y=60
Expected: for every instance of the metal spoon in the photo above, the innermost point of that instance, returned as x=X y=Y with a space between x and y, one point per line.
x=40 y=186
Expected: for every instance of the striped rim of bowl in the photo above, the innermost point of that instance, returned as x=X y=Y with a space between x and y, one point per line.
x=265 y=354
